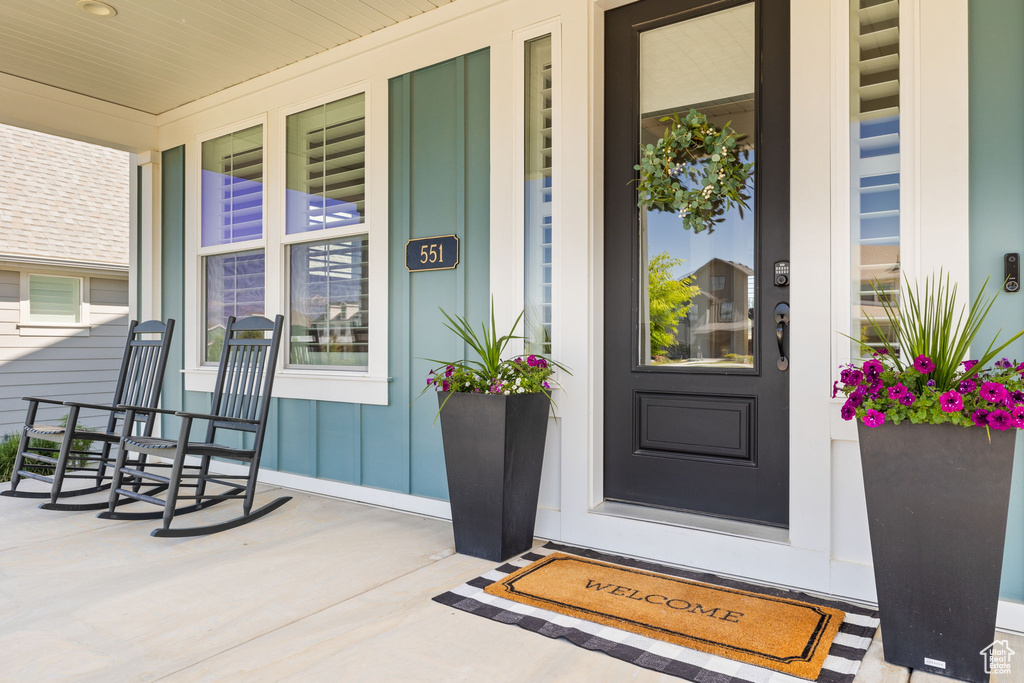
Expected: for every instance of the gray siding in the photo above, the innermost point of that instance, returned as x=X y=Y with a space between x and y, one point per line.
x=77 y=367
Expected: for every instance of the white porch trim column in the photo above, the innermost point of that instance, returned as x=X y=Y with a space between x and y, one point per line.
x=149 y=236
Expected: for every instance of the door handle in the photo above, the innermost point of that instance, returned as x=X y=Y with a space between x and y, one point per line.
x=782 y=322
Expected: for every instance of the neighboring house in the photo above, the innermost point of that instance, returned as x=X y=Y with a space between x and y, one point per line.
x=63 y=271
x=287 y=151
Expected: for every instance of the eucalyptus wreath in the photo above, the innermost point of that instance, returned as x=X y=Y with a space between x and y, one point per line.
x=695 y=171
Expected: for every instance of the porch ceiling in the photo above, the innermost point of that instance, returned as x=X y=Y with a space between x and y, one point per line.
x=155 y=56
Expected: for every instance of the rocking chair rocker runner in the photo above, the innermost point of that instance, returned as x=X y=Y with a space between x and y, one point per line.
x=241 y=403
x=139 y=381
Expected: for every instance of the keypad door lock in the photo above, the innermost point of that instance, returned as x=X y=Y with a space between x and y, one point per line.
x=782 y=273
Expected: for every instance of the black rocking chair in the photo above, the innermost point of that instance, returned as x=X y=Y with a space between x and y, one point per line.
x=139 y=381
x=241 y=402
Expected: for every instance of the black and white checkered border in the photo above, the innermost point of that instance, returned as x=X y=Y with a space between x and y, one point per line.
x=841 y=664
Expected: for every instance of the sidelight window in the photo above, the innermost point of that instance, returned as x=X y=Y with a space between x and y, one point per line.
x=875 y=165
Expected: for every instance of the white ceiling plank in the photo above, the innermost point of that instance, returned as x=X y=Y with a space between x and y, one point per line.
x=341 y=14
x=156 y=55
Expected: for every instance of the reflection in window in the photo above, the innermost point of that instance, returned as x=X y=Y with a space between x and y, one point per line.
x=234 y=286
x=326 y=172
x=329 y=303
x=700 y=299
x=875 y=165
x=537 y=203
x=232 y=188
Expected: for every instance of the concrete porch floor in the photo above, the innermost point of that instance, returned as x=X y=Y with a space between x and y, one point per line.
x=321 y=589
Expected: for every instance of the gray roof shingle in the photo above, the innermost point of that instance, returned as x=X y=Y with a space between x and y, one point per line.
x=62 y=198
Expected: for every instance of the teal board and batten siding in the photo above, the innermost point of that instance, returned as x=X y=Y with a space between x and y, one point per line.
x=439 y=166
x=997 y=205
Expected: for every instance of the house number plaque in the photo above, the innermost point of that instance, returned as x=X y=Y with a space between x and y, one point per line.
x=432 y=253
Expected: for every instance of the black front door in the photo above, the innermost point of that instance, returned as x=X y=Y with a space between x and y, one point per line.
x=696 y=398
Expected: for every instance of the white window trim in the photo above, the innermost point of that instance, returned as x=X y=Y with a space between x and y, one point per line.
x=29 y=328
x=369 y=386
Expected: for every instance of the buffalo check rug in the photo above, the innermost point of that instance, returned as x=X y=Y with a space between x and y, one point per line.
x=836 y=655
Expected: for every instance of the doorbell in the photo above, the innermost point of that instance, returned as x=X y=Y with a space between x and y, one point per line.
x=1011 y=272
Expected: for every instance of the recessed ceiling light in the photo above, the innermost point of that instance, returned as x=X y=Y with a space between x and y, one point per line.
x=96 y=8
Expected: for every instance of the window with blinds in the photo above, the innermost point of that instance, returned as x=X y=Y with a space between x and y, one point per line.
x=538 y=194
x=326 y=167
x=235 y=286
x=875 y=163
x=232 y=188
x=54 y=299
x=329 y=302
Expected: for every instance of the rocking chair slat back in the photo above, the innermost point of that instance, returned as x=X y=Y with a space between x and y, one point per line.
x=246 y=373
x=143 y=363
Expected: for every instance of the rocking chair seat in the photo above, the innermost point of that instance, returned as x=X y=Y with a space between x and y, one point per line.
x=156 y=446
x=55 y=433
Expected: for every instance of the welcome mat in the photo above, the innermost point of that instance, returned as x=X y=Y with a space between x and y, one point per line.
x=716 y=630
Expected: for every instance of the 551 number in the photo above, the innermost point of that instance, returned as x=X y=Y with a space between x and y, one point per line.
x=431 y=253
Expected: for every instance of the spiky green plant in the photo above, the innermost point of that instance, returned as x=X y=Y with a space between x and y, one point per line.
x=928 y=323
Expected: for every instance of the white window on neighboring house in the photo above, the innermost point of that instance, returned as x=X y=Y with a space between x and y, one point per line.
x=53 y=300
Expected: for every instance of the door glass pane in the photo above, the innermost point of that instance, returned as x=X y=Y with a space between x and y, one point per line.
x=698 y=307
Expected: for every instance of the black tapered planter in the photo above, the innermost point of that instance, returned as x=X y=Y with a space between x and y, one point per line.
x=937 y=500
x=493 y=452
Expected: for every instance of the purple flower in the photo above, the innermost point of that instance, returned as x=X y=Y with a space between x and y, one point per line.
x=876 y=387
x=967 y=386
x=1018 y=417
x=882 y=352
x=548 y=386
x=930 y=383
x=449 y=371
x=429 y=381
x=1020 y=368
x=980 y=417
x=999 y=419
x=907 y=399
x=923 y=364
x=993 y=392
x=873 y=418
x=857 y=397
x=951 y=402
x=848 y=411
x=1003 y=364
x=968 y=364
x=531 y=360
x=835 y=389
x=542 y=363
x=897 y=391
x=1017 y=396
x=851 y=377
x=873 y=369
x=445 y=385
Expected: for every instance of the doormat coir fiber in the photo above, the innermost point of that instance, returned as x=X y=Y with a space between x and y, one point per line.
x=776 y=633
x=665 y=620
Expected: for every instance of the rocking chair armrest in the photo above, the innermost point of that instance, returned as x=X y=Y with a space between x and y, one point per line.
x=216 y=418
x=95 y=406
x=144 y=409
x=35 y=399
